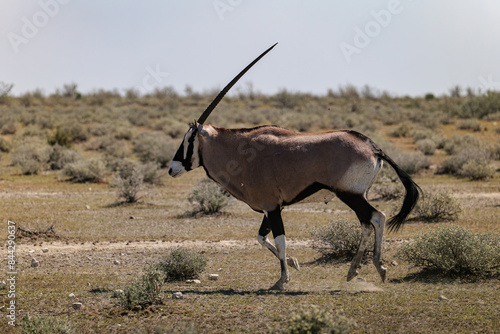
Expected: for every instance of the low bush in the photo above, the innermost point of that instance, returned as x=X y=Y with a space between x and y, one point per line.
x=454 y=251
x=437 y=206
x=208 y=197
x=82 y=171
x=388 y=188
x=470 y=124
x=154 y=147
x=60 y=156
x=310 y=319
x=5 y=145
x=338 y=239
x=144 y=291
x=427 y=146
x=471 y=162
x=42 y=325
x=31 y=155
x=412 y=162
x=181 y=264
x=129 y=184
x=476 y=170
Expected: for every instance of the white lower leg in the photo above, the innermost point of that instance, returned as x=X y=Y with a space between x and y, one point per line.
x=280 y=242
x=265 y=243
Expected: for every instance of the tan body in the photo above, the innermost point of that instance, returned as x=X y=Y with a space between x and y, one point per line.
x=270 y=167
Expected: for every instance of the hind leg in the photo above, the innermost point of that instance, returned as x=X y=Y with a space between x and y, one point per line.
x=378 y=222
x=366 y=231
x=371 y=219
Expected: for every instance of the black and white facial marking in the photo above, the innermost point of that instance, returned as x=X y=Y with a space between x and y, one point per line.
x=187 y=156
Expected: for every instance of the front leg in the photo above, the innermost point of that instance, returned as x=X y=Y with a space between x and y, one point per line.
x=278 y=229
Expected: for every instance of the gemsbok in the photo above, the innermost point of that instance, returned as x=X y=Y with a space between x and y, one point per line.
x=269 y=167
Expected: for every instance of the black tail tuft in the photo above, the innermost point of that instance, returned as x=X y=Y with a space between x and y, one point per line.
x=411 y=197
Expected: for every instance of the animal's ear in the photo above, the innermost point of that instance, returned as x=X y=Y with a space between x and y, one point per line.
x=201 y=130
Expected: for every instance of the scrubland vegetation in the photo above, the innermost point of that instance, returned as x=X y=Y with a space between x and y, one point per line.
x=93 y=168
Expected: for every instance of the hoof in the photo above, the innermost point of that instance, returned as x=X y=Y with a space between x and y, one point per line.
x=292 y=262
x=351 y=275
x=277 y=287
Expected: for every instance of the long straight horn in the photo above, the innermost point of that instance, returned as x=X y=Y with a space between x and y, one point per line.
x=223 y=92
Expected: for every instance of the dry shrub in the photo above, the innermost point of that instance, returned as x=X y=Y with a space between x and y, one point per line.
x=208 y=197
x=337 y=240
x=46 y=324
x=60 y=156
x=129 y=184
x=82 y=171
x=154 y=147
x=455 y=251
x=438 y=206
x=144 y=291
x=312 y=319
x=181 y=264
x=31 y=155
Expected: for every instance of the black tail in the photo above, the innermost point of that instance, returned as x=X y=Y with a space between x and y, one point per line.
x=411 y=197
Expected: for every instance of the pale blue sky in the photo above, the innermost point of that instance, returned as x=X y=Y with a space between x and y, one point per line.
x=404 y=47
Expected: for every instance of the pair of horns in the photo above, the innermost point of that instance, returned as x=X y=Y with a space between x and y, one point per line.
x=223 y=92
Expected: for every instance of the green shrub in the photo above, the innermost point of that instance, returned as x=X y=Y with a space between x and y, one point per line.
x=92 y=170
x=154 y=147
x=181 y=264
x=208 y=197
x=60 y=156
x=60 y=137
x=45 y=325
x=438 y=206
x=338 y=239
x=311 y=319
x=454 y=251
x=143 y=292
x=31 y=155
x=481 y=106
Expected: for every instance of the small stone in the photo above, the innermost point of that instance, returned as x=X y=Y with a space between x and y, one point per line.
x=193 y=281
x=34 y=263
x=213 y=277
x=137 y=308
x=3 y=285
x=394 y=263
x=177 y=295
x=87 y=207
x=441 y=297
x=77 y=306
x=31 y=251
x=220 y=269
x=88 y=284
x=116 y=262
x=117 y=293
x=132 y=217
x=360 y=279
x=72 y=295
x=45 y=250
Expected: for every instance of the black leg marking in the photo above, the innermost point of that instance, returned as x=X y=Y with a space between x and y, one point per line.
x=371 y=219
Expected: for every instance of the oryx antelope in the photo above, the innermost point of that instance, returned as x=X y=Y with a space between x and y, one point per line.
x=269 y=167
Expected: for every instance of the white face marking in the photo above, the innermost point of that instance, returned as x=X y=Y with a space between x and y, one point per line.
x=176 y=169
